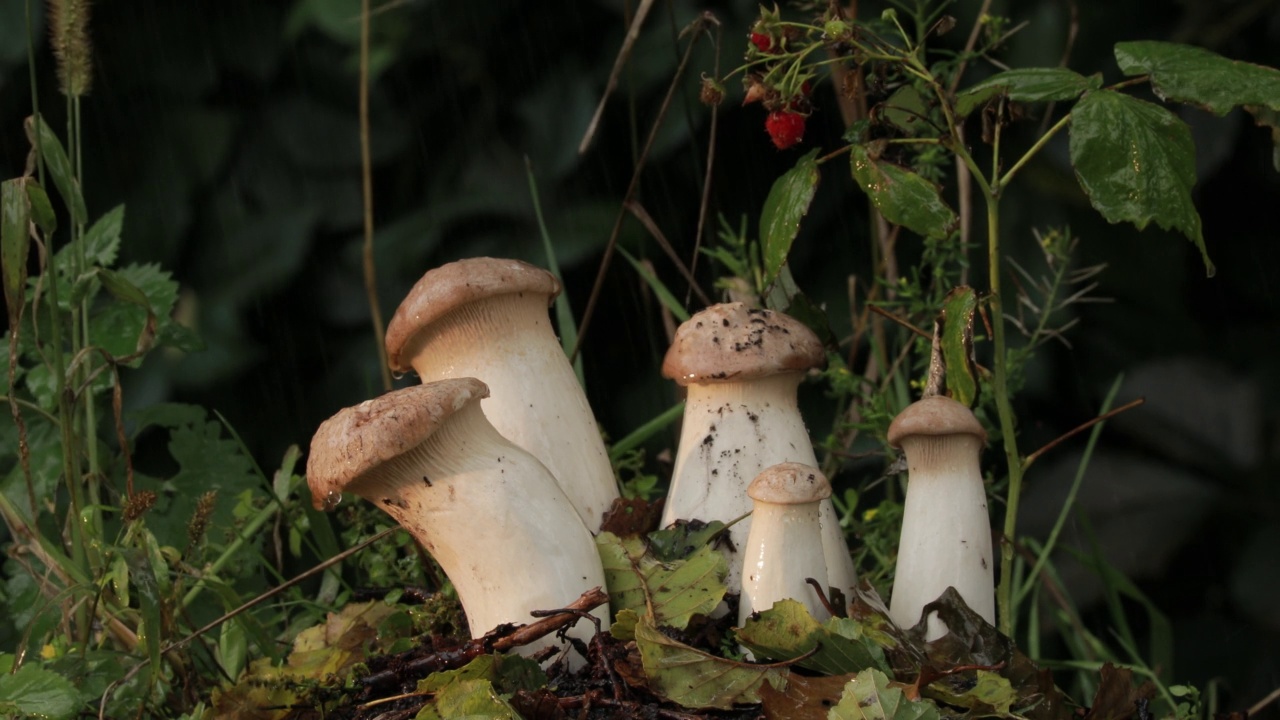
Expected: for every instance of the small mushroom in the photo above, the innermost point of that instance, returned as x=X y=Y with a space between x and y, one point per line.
x=784 y=547
x=487 y=318
x=487 y=511
x=741 y=367
x=946 y=532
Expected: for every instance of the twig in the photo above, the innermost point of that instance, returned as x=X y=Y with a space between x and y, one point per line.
x=366 y=186
x=1258 y=706
x=656 y=233
x=1026 y=463
x=624 y=53
x=635 y=179
x=705 y=203
x=890 y=316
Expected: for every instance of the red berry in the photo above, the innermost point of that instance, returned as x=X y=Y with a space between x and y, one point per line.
x=762 y=42
x=785 y=128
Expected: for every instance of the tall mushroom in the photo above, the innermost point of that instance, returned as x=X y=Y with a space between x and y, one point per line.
x=487 y=511
x=487 y=318
x=784 y=547
x=742 y=367
x=946 y=532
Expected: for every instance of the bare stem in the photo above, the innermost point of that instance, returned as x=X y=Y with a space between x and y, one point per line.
x=366 y=183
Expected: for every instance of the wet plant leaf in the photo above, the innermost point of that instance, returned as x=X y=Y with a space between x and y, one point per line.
x=38 y=692
x=674 y=591
x=60 y=169
x=981 y=691
x=1194 y=75
x=872 y=696
x=903 y=197
x=958 y=308
x=787 y=203
x=1136 y=162
x=695 y=679
x=805 y=698
x=1027 y=85
x=15 y=244
x=787 y=631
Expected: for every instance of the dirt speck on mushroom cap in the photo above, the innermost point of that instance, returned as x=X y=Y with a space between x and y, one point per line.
x=732 y=342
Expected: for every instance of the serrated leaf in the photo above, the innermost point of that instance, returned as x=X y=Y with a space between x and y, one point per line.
x=695 y=679
x=787 y=631
x=102 y=239
x=870 y=697
x=1027 y=85
x=15 y=244
x=1194 y=75
x=958 y=308
x=674 y=591
x=147 y=295
x=788 y=201
x=1136 y=162
x=60 y=169
x=32 y=690
x=903 y=197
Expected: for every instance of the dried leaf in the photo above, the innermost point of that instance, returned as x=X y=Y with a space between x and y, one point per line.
x=805 y=698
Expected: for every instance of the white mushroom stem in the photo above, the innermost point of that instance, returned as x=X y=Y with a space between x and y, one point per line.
x=946 y=531
x=488 y=512
x=731 y=432
x=536 y=402
x=784 y=547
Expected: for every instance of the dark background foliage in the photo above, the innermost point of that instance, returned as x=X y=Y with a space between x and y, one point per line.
x=230 y=131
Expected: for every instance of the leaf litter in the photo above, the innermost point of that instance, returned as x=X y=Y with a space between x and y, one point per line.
x=665 y=657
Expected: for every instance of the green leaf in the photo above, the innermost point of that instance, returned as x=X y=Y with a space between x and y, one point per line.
x=1194 y=75
x=36 y=691
x=683 y=538
x=987 y=693
x=1136 y=162
x=676 y=591
x=102 y=239
x=664 y=295
x=787 y=631
x=907 y=110
x=147 y=295
x=696 y=679
x=473 y=700
x=787 y=203
x=1027 y=85
x=869 y=697
x=903 y=197
x=64 y=176
x=958 y=308
x=41 y=208
x=15 y=244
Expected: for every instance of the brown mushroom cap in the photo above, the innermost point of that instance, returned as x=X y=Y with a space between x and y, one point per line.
x=443 y=289
x=360 y=438
x=730 y=342
x=937 y=415
x=789 y=484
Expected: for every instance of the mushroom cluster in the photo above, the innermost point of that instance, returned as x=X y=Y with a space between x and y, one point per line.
x=496 y=466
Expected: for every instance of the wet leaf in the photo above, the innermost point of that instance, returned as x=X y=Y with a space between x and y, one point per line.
x=872 y=696
x=787 y=631
x=32 y=690
x=683 y=538
x=1194 y=75
x=60 y=169
x=903 y=197
x=1027 y=85
x=1136 y=162
x=982 y=691
x=695 y=679
x=958 y=308
x=805 y=698
x=471 y=699
x=788 y=201
x=15 y=244
x=1117 y=697
x=673 y=591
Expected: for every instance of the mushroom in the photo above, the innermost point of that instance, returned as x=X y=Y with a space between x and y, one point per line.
x=487 y=318
x=742 y=367
x=946 y=532
x=486 y=510
x=784 y=547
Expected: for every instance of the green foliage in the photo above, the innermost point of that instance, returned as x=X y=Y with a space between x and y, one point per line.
x=869 y=697
x=784 y=208
x=903 y=197
x=787 y=631
x=696 y=679
x=670 y=592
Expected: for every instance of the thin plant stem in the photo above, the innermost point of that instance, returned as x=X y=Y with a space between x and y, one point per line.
x=1039 y=144
x=366 y=187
